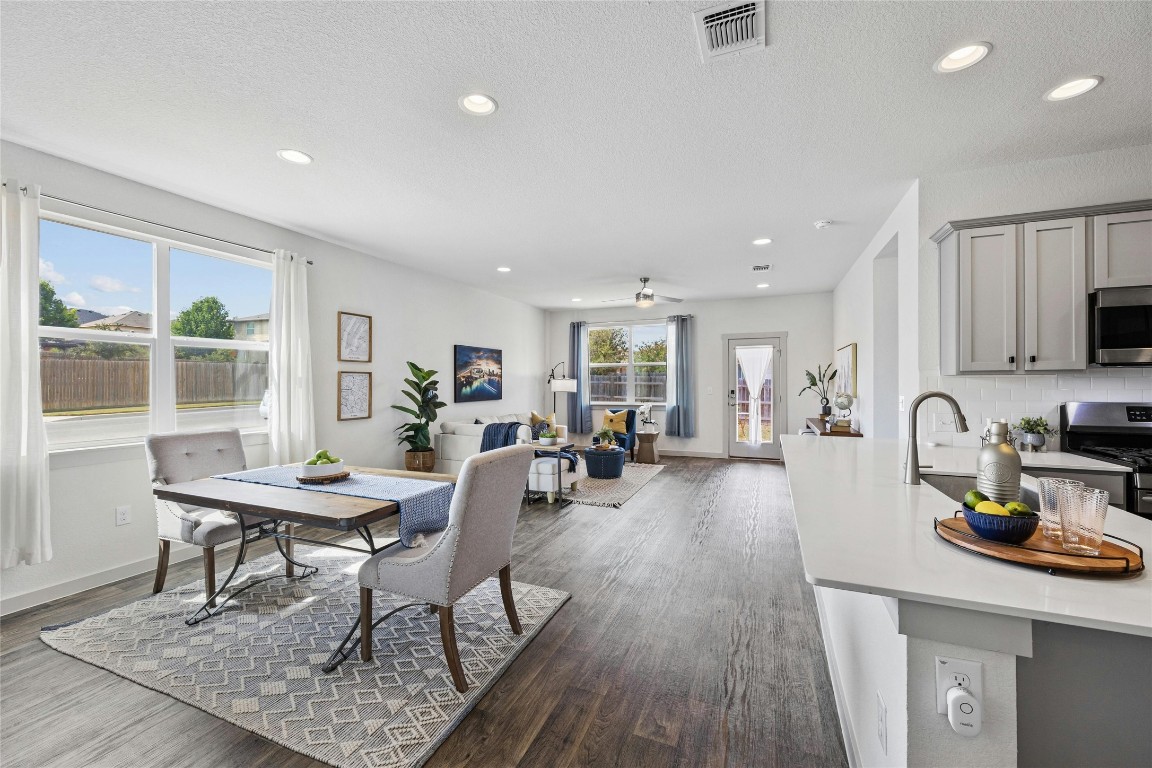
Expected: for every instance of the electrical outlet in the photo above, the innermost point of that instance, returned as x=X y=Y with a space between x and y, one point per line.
x=953 y=672
x=881 y=723
x=123 y=515
x=943 y=422
x=901 y=403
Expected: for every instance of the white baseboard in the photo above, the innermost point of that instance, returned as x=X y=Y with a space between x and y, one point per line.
x=22 y=602
x=837 y=686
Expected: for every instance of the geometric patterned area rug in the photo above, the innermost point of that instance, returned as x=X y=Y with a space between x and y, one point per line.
x=612 y=493
x=257 y=664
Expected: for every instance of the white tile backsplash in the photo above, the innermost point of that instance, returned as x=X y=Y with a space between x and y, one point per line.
x=1040 y=394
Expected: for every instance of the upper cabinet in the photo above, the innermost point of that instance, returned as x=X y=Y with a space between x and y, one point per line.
x=1014 y=289
x=1123 y=252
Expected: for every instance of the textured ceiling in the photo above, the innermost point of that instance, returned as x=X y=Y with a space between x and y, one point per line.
x=615 y=152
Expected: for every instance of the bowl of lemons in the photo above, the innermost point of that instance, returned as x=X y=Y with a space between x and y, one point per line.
x=322 y=465
x=1011 y=523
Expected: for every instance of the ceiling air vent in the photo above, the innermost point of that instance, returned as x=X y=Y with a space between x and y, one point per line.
x=730 y=28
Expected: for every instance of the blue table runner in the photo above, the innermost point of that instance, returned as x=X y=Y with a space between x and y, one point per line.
x=423 y=504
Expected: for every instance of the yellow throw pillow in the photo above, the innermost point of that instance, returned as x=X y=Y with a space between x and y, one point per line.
x=617 y=422
x=537 y=418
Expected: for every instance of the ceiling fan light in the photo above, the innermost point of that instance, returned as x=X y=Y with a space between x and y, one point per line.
x=643 y=300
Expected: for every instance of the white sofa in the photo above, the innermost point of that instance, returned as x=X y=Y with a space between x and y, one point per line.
x=457 y=440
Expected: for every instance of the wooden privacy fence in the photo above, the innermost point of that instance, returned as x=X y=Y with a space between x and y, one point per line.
x=613 y=387
x=76 y=384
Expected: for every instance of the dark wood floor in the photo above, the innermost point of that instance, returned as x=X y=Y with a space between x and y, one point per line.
x=691 y=639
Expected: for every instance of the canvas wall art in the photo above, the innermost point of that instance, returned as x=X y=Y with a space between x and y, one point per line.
x=846 y=369
x=478 y=374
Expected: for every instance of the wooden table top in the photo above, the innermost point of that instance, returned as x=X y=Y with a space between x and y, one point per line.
x=554 y=448
x=324 y=510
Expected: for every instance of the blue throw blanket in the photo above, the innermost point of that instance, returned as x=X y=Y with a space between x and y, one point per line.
x=499 y=435
x=423 y=503
x=503 y=435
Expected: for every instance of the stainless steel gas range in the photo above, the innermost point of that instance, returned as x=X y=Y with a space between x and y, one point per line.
x=1120 y=433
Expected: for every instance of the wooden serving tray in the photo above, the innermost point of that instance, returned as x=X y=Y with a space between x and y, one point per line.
x=1041 y=552
x=324 y=479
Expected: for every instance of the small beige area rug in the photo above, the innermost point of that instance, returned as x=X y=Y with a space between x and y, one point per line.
x=612 y=493
x=257 y=665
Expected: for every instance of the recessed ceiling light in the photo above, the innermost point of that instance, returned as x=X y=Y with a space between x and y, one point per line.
x=294 y=156
x=962 y=58
x=1073 y=88
x=762 y=241
x=577 y=299
x=477 y=104
x=762 y=285
x=503 y=269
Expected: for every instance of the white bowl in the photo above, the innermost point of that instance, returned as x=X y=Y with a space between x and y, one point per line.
x=321 y=470
x=548 y=441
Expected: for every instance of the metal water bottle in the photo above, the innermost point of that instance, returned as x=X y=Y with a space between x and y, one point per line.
x=998 y=466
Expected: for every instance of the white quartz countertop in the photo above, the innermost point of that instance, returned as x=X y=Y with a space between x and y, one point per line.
x=957 y=460
x=862 y=529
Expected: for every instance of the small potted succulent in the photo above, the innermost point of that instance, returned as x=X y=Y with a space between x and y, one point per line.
x=606 y=439
x=548 y=438
x=1033 y=431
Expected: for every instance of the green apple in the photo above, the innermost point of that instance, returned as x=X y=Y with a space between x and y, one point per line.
x=311 y=462
x=334 y=460
x=322 y=453
x=323 y=461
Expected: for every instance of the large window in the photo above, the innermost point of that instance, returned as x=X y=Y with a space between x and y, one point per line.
x=628 y=363
x=137 y=334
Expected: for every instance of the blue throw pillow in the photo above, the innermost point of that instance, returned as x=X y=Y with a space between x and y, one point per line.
x=540 y=429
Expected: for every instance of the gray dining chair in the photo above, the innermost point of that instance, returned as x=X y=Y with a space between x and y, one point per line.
x=476 y=544
x=178 y=457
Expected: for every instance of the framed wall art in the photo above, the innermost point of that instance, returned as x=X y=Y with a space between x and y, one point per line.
x=478 y=374
x=353 y=337
x=353 y=395
x=846 y=369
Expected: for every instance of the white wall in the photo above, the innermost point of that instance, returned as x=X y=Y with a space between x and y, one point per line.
x=856 y=305
x=416 y=316
x=1098 y=177
x=807 y=319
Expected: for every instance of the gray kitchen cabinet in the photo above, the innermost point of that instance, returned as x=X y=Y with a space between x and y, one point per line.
x=987 y=263
x=1123 y=249
x=1055 y=295
x=1014 y=298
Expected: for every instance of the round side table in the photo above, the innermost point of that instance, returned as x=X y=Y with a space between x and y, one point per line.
x=646 y=452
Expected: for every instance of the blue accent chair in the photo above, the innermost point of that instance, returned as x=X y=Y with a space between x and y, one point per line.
x=628 y=441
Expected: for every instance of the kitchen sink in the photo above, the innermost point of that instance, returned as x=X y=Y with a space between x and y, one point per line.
x=955 y=486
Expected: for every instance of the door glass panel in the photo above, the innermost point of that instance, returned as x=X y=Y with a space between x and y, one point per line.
x=754 y=395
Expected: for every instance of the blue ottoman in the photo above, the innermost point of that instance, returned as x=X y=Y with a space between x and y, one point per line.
x=605 y=465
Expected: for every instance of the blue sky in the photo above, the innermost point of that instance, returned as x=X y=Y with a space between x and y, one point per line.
x=110 y=274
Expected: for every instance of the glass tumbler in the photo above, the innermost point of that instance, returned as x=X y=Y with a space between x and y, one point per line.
x=1082 y=512
x=1049 y=488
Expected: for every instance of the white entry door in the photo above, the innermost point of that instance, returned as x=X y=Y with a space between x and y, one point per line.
x=756 y=413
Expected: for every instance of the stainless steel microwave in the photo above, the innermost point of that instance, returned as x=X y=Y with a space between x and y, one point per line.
x=1121 y=326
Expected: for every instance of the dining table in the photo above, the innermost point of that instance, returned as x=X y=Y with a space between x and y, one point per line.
x=274 y=512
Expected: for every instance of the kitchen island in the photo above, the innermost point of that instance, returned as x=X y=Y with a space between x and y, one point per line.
x=1067 y=659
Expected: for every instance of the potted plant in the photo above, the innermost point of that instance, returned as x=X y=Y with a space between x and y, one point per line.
x=420 y=456
x=821 y=384
x=1033 y=431
x=606 y=438
x=548 y=438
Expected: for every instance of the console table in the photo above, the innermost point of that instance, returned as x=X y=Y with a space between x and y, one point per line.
x=819 y=426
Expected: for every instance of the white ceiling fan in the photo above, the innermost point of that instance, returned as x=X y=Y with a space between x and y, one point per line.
x=646 y=297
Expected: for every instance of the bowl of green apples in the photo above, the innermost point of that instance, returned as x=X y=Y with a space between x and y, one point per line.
x=322 y=465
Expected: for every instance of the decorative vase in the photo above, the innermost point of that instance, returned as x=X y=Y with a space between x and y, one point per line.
x=998 y=467
x=420 y=461
x=825 y=409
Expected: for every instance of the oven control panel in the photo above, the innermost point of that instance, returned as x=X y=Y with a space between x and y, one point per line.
x=1141 y=413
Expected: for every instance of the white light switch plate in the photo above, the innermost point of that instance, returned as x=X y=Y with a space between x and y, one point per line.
x=952 y=672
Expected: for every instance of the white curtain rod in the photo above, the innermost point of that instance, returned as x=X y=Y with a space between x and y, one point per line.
x=153 y=223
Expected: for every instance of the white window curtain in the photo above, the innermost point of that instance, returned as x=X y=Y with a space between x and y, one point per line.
x=291 y=419
x=24 y=503
x=754 y=362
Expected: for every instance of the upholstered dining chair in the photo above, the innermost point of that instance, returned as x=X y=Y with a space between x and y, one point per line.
x=179 y=457
x=476 y=544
